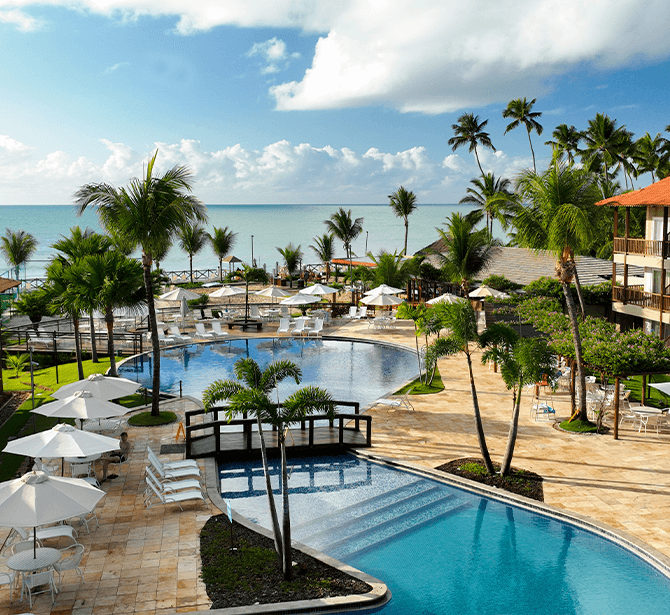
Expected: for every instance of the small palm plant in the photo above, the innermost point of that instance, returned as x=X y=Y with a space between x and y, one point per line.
x=17 y=362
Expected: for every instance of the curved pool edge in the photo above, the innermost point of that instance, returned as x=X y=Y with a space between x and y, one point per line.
x=655 y=558
x=378 y=596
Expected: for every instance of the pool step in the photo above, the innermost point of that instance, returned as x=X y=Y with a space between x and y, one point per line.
x=363 y=541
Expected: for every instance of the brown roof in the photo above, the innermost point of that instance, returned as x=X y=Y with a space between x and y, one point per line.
x=6 y=284
x=657 y=194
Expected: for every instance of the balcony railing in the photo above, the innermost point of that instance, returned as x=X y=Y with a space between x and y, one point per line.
x=635 y=296
x=640 y=246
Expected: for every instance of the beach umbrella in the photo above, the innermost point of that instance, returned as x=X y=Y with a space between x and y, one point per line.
x=228 y=291
x=382 y=299
x=446 y=298
x=318 y=289
x=487 y=291
x=299 y=299
x=178 y=294
x=663 y=387
x=272 y=291
x=81 y=405
x=100 y=386
x=62 y=441
x=38 y=499
x=385 y=289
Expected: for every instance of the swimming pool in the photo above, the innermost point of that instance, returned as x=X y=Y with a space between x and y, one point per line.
x=350 y=370
x=444 y=550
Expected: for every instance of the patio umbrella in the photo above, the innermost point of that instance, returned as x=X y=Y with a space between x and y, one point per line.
x=62 y=441
x=272 y=291
x=663 y=387
x=81 y=405
x=178 y=294
x=183 y=308
x=385 y=289
x=37 y=499
x=102 y=387
x=487 y=291
x=445 y=298
x=318 y=289
x=228 y=291
x=299 y=299
x=382 y=299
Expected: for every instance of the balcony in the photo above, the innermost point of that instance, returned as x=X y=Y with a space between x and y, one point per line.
x=636 y=245
x=637 y=296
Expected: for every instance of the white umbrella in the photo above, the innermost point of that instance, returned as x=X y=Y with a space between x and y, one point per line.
x=102 y=387
x=81 y=405
x=382 y=299
x=299 y=299
x=663 y=387
x=272 y=291
x=178 y=294
x=318 y=289
x=37 y=499
x=183 y=308
x=487 y=291
x=446 y=298
x=62 y=441
x=385 y=289
x=228 y=291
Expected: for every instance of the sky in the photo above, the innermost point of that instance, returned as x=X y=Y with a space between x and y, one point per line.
x=310 y=101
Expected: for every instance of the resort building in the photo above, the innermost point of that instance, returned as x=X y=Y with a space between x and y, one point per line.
x=642 y=300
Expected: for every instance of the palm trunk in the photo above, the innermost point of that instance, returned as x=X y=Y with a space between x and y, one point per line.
x=478 y=163
x=580 y=296
x=109 y=321
x=418 y=354
x=532 y=151
x=94 y=346
x=155 y=344
x=478 y=419
x=2 y=384
x=580 y=413
x=271 y=499
x=190 y=266
x=221 y=270
x=406 y=233
x=286 y=513
x=513 y=431
x=77 y=346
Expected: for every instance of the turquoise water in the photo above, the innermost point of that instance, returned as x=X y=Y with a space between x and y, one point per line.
x=442 y=550
x=271 y=225
x=351 y=371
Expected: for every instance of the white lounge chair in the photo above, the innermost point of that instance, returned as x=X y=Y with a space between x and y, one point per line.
x=316 y=329
x=201 y=333
x=159 y=497
x=397 y=402
x=362 y=312
x=352 y=312
x=253 y=312
x=178 y=335
x=284 y=326
x=217 y=331
x=174 y=486
x=172 y=474
x=299 y=327
x=162 y=338
x=173 y=465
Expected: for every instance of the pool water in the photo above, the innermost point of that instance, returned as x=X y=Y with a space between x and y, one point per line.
x=443 y=550
x=350 y=371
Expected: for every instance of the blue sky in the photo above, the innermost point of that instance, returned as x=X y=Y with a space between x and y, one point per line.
x=303 y=101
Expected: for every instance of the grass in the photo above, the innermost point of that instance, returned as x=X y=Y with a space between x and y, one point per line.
x=653 y=396
x=144 y=419
x=423 y=389
x=579 y=426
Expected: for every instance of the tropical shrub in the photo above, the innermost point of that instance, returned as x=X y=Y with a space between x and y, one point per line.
x=500 y=282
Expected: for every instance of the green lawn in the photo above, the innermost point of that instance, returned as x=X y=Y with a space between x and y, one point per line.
x=422 y=389
x=654 y=396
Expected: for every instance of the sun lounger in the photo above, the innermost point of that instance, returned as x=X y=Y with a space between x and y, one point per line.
x=178 y=335
x=299 y=327
x=284 y=326
x=173 y=486
x=217 y=331
x=159 y=497
x=167 y=474
x=402 y=402
x=173 y=465
x=316 y=329
x=352 y=312
x=201 y=333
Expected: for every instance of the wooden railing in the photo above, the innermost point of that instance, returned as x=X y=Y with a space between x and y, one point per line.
x=636 y=245
x=635 y=296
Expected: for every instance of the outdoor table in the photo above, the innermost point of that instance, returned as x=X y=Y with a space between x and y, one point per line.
x=644 y=413
x=44 y=557
x=89 y=459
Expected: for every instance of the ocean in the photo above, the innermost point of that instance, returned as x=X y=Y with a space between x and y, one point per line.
x=271 y=226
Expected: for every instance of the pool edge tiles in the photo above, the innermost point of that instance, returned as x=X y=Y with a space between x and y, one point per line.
x=378 y=596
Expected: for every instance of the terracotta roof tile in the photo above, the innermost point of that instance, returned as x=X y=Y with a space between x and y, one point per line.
x=656 y=194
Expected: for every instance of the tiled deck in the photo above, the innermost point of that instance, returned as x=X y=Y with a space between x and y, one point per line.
x=141 y=561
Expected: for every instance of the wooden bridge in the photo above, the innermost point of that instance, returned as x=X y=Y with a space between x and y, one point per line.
x=341 y=432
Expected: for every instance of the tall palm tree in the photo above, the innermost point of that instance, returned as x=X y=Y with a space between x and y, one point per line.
x=604 y=144
x=324 y=250
x=292 y=257
x=392 y=269
x=222 y=241
x=17 y=248
x=470 y=131
x=521 y=113
x=346 y=230
x=648 y=153
x=492 y=196
x=149 y=213
x=192 y=239
x=566 y=141
x=468 y=250
x=403 y=203
x=250 y=394
x=560 y=217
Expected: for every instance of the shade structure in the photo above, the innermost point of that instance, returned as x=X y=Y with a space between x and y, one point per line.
x=62 y=441
x=299 y=299
x=272 y=291
x=487 y=291
x=318 y=289
x=385 y=289
x=382 y=299
x=178 y=294
x=228 y=291
x=446 y=298
x=81 y=405
x=100 y=386
x=663 y=387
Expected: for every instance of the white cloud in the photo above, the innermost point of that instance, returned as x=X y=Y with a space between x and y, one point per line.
x=115 y=67
x=22 y=21
x=274 y=52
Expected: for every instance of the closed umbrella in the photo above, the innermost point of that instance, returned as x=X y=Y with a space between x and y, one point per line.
x=81 y=405
x=385 y=289
x=178 y=294
x=183 y=308
x=100 y=386
x=382 y=299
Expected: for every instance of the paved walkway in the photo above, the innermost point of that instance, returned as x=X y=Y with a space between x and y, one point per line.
x=147 y=562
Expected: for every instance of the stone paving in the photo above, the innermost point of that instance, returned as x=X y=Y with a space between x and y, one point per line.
x=147 y=562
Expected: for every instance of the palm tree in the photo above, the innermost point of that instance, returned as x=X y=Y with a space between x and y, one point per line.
x=460 y=320
x=470 y=131
x=521 y=113
x=403 y=203
x=192 y=239
x=33 y=304
x=468 y=250
x=252 y=396
x=324 y=250
x=560 y=217
x=393 y=269
x=222 y=241
x=249 y=275
x=149 y=213
x=566 y=141
x=346 y=230
x=522 y=362
x=17 y=248
x=417 y=314
x=492 y=196
x=648 y=154
x=605 y=144
x=292 y=257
